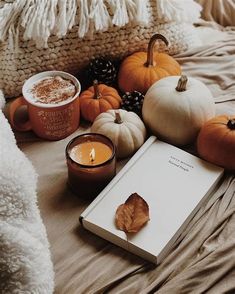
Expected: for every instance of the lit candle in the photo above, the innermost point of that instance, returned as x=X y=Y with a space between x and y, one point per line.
x=91 y=162
x=91 y=153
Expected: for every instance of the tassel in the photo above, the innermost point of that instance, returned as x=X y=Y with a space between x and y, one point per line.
x=46 y=23
x=72 y=8
x=9 y=15
x=100 y=15
x=178 y=10
x=84 y=18
x=120 y=13
x=52 y=12
x=142 y=13
x=61 y=19
x=38 y=19
x=26 y=13
x=66 y=16
x=13 y=39
x=131 y=9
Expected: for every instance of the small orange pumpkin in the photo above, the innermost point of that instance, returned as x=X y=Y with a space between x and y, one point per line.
x=216 y=141
x=97 y=99
x=141 y=69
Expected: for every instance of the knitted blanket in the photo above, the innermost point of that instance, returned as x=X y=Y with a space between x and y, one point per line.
x=39 y=35
x=25 y=264
x=42 y=18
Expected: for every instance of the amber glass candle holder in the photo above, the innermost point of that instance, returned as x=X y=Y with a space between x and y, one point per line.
x=91 y=162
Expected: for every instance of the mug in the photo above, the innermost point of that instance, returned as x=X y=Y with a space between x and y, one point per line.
x=51 y=121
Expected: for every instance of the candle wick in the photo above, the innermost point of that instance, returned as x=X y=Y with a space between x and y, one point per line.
x=92 y=155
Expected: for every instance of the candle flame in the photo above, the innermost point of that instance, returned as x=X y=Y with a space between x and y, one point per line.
x=92 y=155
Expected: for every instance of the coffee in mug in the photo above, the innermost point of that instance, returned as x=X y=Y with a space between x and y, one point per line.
x=52 y=100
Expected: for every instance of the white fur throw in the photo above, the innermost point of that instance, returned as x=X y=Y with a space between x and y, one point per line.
x=25 y=262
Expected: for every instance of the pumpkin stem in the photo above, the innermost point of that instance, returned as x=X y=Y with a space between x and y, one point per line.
x=118 y=119
x=181 y=87
x=231 y=124
x=97 y=94
x=151 y=44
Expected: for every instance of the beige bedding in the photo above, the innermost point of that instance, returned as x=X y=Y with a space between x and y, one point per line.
x=205 y=259
x=219 y=11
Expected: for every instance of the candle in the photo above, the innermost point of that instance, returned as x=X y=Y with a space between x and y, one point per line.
x=91 y=153
x=91 y=162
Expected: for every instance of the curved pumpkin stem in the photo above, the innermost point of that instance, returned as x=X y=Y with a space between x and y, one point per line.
x=97 y=94
x=181 y=86
x=151 y=44
x=118 y=119
x=231 y=124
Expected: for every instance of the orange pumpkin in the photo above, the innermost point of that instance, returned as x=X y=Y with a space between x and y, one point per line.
x=141 y=69
x=97 y=99
x=216 y=141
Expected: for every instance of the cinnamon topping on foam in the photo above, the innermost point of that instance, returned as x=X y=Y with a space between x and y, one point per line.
x=52 y=90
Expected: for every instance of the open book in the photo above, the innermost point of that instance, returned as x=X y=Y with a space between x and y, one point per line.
x=173 y=182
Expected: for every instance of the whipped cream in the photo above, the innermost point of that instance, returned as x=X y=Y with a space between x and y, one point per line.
x=53 y=90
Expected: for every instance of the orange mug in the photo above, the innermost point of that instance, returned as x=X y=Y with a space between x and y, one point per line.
x=51 y=121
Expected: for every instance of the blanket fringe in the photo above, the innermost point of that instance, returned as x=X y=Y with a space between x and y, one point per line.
x=38 y=20
x=84 y=18
x=42 y=18
x=8 y=17
x=100 y=15
x=67 y=10
x=119 y=11
x=142 y=13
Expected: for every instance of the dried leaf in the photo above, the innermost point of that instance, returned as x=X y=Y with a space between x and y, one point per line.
x=132 y=215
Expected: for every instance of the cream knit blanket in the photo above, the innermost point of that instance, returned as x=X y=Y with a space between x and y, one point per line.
x=25 y=263
x=39 y=35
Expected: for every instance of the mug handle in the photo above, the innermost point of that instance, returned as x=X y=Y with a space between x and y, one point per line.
x=17 y=125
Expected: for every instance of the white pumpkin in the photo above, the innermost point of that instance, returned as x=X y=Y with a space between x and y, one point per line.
x=175 y=108
x=124 y=128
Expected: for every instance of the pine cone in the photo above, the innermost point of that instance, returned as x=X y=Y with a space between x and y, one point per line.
x=133 y=102
x=103 y=70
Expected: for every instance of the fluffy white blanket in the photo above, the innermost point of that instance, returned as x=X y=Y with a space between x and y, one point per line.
x=25 y=261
